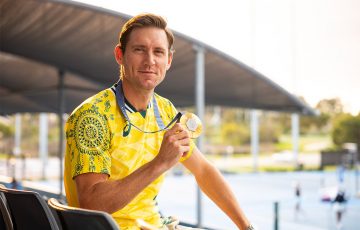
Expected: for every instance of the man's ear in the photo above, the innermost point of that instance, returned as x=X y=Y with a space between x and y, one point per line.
x=118 y=54
x=169 y=60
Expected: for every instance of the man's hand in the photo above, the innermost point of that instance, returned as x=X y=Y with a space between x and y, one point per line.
x=176 y=142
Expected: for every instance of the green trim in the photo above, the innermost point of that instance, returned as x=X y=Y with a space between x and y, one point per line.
x=143 y=112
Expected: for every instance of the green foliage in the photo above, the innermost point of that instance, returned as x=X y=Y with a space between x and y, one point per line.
x=346 y=129
x=232 y=127
x=283 y=145
x=315 y=124
x=284 y=120
x=6 y=137
x=329 y=109
x=234 y=133
x=6 y=130
x=227 y=126
x=30 y=134
x=269 y=130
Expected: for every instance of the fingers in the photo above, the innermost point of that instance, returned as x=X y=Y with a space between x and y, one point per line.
x=182 y=136
x=178 y=138
x=176 y=128
x=178 y=135
x=179 y=131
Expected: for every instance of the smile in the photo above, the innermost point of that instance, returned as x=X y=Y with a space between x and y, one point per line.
x=146 y=72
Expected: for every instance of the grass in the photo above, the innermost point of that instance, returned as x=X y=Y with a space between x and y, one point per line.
x=283 y=145
x=285 y=142
x=3 y=155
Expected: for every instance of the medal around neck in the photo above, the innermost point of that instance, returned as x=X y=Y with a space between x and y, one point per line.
x=192 y=123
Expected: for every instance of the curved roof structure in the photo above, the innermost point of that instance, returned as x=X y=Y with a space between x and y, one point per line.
x=41 y=40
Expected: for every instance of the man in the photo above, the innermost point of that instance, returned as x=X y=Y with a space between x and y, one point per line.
x=115 y=158
x=339 y=206
x=298 y=208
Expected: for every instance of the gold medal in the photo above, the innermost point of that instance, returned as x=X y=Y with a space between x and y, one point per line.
x=192 y=123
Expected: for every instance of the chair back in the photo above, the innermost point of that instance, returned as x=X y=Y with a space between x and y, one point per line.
x=5 y=217
x=29 y=210
x=72 y=218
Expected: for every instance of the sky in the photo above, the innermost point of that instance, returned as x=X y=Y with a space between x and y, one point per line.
x=309 y=47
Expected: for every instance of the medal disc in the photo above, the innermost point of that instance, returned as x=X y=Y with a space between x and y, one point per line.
x=192 y=123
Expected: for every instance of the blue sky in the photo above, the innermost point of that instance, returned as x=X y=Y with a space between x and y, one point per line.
x=309 y=47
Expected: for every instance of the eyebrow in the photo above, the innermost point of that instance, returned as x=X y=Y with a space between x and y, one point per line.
x=160 y=48
x=143 y=46
x=138 y=46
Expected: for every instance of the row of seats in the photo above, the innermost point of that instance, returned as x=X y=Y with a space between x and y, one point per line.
x=23 y=210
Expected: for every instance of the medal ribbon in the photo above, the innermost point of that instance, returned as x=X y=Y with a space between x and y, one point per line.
x=120 y=98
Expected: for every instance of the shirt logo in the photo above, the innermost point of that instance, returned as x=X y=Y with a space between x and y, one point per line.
x=126 y=129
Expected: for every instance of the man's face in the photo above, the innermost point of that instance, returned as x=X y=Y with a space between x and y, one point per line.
x=146 y=58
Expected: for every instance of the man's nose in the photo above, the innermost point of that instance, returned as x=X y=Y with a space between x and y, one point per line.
x=150 y=59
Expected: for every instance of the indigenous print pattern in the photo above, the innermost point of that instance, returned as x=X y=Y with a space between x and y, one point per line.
x=100 y=140
x=91 y=133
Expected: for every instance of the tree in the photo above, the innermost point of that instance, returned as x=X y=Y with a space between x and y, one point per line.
x=234 y=133
x=6 y=130
x=346 y=129
x=332 y=106
x=6 y=137
x=328 y=110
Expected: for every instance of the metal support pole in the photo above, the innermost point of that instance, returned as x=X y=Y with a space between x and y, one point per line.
x=43 y=142
x=276 y=215
x=12 y=158
x=23 y=167
x=200 y=110
x=255 y=138
x=17 y=146
x=61 y=127
x=357 y=191
x=295 y=137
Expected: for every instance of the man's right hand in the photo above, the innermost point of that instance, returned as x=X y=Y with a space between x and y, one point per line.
x=176 y=142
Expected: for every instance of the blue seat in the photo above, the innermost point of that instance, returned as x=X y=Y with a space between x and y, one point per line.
x=77 y=218
x=28 y=210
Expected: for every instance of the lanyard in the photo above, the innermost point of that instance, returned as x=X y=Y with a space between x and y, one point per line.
x=121 y=103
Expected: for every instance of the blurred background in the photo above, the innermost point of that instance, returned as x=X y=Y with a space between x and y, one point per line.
x=286 y=167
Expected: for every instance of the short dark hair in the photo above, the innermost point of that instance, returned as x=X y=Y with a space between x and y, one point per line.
x=141 y=21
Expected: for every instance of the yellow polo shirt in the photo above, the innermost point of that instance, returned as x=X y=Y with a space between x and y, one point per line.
x=98 y=140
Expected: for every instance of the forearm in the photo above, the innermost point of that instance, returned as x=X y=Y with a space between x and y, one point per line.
x=218 y=190
x=96 y=191
x=112 y=195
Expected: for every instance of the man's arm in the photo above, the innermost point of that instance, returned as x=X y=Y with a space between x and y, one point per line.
x=213 y=184
x=96 y=192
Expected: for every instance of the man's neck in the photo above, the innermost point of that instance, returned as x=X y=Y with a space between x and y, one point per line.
x=139 y=99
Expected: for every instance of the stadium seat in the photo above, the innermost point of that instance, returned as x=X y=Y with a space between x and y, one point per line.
x=28 y=210
x=5 y=218
x=77 y=218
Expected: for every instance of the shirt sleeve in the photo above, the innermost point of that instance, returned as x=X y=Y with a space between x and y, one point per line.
x=88 y=139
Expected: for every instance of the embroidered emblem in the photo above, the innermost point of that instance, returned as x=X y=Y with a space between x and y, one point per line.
x=126 y=129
